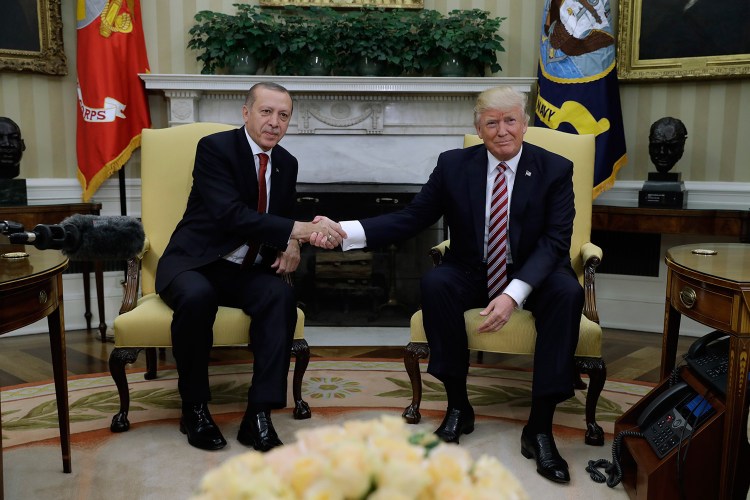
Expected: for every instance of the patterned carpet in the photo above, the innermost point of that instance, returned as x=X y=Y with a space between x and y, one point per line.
x=153 y=459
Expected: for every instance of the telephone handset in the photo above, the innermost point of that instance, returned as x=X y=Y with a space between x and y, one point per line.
x=663 y=402
x=698 y=348
x=708 y=357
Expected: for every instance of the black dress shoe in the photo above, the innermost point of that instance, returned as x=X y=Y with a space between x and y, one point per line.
x=257 y=431
x=549 y=463
x=200 y=428
x=455 y=423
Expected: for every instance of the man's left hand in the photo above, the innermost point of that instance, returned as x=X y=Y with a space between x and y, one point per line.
x=288 y=260
x=498 y=313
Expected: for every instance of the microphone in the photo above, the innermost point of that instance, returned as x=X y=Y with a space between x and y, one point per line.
x=10 y=227
x=88 y=237
x=43 y=237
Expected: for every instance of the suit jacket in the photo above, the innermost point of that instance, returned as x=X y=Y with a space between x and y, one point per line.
x=221 y=212
x=541 y=211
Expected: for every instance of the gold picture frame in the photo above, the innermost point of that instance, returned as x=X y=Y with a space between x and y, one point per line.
x=32 y=41
x=347 y=4
x=693 y=41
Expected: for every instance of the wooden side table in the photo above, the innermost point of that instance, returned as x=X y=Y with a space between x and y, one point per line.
x=709 y=283
x=734 y=223
x=715 y=291
x=31 y=289
x=31 y=215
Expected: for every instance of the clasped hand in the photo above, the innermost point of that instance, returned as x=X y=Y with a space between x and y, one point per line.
x=325 y=233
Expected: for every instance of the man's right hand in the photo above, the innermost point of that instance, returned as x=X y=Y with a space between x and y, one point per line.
x=322 y=232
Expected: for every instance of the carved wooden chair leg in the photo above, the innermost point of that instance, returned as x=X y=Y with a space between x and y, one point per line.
x=413 y=352
x=301 y=352
x=120 y=357
x=578 y=382
x=597 y=372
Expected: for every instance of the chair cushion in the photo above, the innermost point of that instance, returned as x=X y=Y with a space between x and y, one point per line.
x=148 y=325
x=523 y=338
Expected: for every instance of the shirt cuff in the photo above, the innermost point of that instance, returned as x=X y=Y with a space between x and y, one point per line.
x=518 y=290
x=355 y=233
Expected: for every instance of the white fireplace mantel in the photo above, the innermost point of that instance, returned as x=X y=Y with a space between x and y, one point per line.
x=333 y=84
x=368 y=129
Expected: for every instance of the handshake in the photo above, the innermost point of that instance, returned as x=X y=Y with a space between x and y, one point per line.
x=321 y=232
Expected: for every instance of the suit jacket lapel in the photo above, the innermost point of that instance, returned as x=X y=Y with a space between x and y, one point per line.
x=276 y=182
x=523 y=189
x=477 y=181
x=249 y=177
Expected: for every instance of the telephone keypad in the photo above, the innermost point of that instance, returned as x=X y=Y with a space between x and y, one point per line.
x=711 y=364
x=668 y=431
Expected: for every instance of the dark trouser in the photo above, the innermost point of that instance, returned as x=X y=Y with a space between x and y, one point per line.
x=195 y=297
x=450 y=289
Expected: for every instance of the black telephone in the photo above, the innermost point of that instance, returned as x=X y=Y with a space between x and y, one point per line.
x=672 y=417
x=708 y=357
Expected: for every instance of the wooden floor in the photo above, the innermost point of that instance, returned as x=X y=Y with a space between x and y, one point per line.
x=629 y=355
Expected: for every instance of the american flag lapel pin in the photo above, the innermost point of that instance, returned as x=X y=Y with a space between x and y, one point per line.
x=528 y=174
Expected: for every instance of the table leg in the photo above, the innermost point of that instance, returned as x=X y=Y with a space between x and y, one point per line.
x=669 y=340
x=733 y=474
x=56 y=323
x=2 y=488
x=87 y=294
x=99 y=274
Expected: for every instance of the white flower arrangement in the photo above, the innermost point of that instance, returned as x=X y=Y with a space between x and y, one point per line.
x=373 y=460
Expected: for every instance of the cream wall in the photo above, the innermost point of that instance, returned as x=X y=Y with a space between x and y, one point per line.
x=45 y=106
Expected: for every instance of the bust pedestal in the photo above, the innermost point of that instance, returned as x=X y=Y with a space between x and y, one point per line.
x=663 y=190
x=12 y=192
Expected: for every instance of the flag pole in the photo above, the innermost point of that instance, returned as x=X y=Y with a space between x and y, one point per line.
x=121 y=179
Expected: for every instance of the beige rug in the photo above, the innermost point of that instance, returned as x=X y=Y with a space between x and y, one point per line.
x=153 y=460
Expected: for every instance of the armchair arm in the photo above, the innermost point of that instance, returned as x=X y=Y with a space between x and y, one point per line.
x=132 y=276
x=438 y=251
x=592 y=257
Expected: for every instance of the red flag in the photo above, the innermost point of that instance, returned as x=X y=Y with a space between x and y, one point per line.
x=112 y=104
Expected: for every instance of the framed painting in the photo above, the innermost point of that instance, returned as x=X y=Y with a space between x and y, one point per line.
x=347 y=4
x=689 y=39
x=31 y=37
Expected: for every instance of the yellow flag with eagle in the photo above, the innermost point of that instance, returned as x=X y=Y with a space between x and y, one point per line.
x=112 y=104
x=578 y=89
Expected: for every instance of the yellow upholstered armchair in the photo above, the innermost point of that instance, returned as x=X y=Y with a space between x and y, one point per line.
x=518 y=336
x=167 y=157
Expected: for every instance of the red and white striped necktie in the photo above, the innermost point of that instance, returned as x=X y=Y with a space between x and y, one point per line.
x=497 y=242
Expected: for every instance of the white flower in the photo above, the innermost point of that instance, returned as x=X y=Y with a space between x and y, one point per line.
x=373 y=460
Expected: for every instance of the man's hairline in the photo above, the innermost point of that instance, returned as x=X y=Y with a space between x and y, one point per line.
x=251 y=94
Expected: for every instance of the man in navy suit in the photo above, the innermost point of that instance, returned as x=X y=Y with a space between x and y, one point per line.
x=227 y=251
x=540 y=276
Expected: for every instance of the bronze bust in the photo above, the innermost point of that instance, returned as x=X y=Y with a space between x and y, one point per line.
x=666 y=143
x=11 y=148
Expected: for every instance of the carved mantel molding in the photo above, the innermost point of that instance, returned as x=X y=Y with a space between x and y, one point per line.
x=188 y=94
x=371 y=129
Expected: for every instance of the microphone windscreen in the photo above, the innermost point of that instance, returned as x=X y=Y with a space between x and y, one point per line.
x=96 y=237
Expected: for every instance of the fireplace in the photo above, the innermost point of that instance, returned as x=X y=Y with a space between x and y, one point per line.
x=378 y=287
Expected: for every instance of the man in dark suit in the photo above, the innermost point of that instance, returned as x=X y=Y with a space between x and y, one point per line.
x=236 y=235
x=537 y=272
